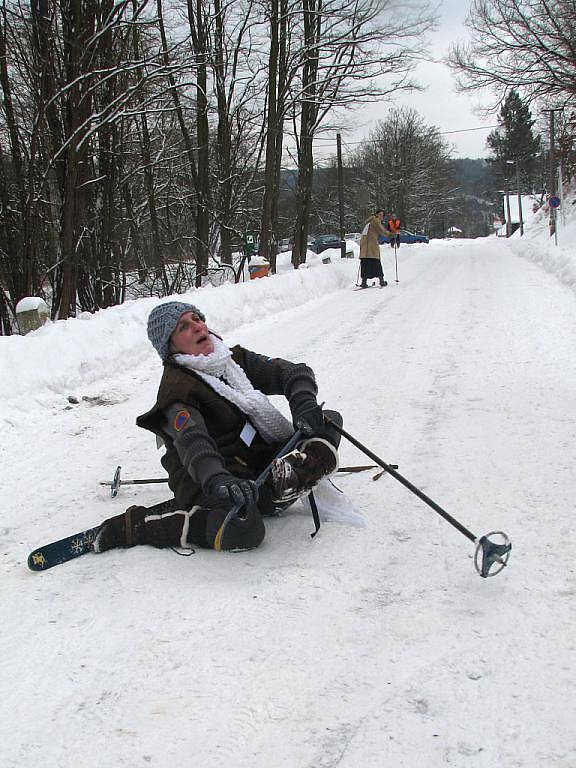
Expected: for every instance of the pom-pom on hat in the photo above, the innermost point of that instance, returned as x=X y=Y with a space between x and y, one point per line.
x=162 y=321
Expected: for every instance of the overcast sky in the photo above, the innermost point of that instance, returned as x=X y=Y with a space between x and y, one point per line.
x=438 y=104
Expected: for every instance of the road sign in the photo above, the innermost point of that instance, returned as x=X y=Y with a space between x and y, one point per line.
x=249 y=243
x=554 y=202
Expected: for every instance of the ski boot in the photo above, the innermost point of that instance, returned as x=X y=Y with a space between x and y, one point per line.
x=138 y=526
x=297 y=473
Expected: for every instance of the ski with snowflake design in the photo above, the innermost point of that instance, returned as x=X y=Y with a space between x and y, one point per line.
x=70 y=547
x=61 y=551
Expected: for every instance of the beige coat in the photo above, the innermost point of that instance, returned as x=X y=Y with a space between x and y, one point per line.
x=369 y=248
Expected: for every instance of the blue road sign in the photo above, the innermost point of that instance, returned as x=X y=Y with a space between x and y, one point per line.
x=554 y=202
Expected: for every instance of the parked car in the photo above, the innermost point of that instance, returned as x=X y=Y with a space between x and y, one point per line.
x=323 y=242
x=284 y=245
x=407 y=237
x=354 y=236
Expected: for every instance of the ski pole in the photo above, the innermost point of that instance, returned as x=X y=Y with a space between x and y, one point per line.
x=357 y=468
x=118 y=481
x=383 y=472
x=396 y=260
x=487 y=552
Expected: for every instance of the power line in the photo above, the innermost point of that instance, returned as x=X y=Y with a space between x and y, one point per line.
x=378 y=141
x=465 y=130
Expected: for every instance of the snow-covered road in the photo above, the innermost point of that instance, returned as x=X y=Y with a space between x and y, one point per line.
x=365 y=647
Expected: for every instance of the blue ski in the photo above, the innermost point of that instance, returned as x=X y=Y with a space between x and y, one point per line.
x=58 y=552
x=61 y=551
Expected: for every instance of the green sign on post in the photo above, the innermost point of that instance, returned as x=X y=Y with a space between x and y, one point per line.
x=249 y=244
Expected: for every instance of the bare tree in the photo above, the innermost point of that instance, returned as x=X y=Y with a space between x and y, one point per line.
x=527 y=45
x=72 y=83
x=237 y=74
x=346 y=62
x=16 y=264
x=404 y=164
x=130 y=143
x=283 y=64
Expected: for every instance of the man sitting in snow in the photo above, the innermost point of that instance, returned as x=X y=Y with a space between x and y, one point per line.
x=221 y=431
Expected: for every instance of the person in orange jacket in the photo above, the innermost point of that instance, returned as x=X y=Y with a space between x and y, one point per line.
x=394 y=227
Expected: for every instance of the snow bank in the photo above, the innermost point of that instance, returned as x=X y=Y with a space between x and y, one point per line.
x=537 y=245
x=66 y=355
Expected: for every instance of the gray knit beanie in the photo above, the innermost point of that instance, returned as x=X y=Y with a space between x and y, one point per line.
x=162 y=321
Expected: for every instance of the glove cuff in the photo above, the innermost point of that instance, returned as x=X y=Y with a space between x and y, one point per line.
x=302 y=398
x=214 y=480
x=300 y=383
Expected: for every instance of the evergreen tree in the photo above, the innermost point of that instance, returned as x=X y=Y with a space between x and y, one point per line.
x=515 y=141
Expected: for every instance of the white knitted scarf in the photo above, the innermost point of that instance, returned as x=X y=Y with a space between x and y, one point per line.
x=227 y=378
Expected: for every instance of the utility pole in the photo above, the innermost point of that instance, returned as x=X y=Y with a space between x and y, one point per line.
x=340 y=194
x=520 y=214
x=552 y=171
x=552 y=157
x=506 y=192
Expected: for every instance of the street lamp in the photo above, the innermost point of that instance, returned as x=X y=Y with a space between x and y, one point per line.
x=520 y=217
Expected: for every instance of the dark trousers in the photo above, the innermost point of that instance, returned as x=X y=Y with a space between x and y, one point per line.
x=246 y=530
x=370 y=268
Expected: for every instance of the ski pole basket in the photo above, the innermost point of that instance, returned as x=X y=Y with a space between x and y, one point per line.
x=492 y=549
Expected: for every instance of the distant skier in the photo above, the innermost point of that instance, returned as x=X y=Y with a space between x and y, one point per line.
x=370 y=265
x=394 y=227
x=221 y=431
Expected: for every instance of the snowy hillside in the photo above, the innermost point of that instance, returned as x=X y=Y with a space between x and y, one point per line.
x=367 y=646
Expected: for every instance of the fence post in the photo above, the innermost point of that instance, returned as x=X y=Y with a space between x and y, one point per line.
x=31 y=314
